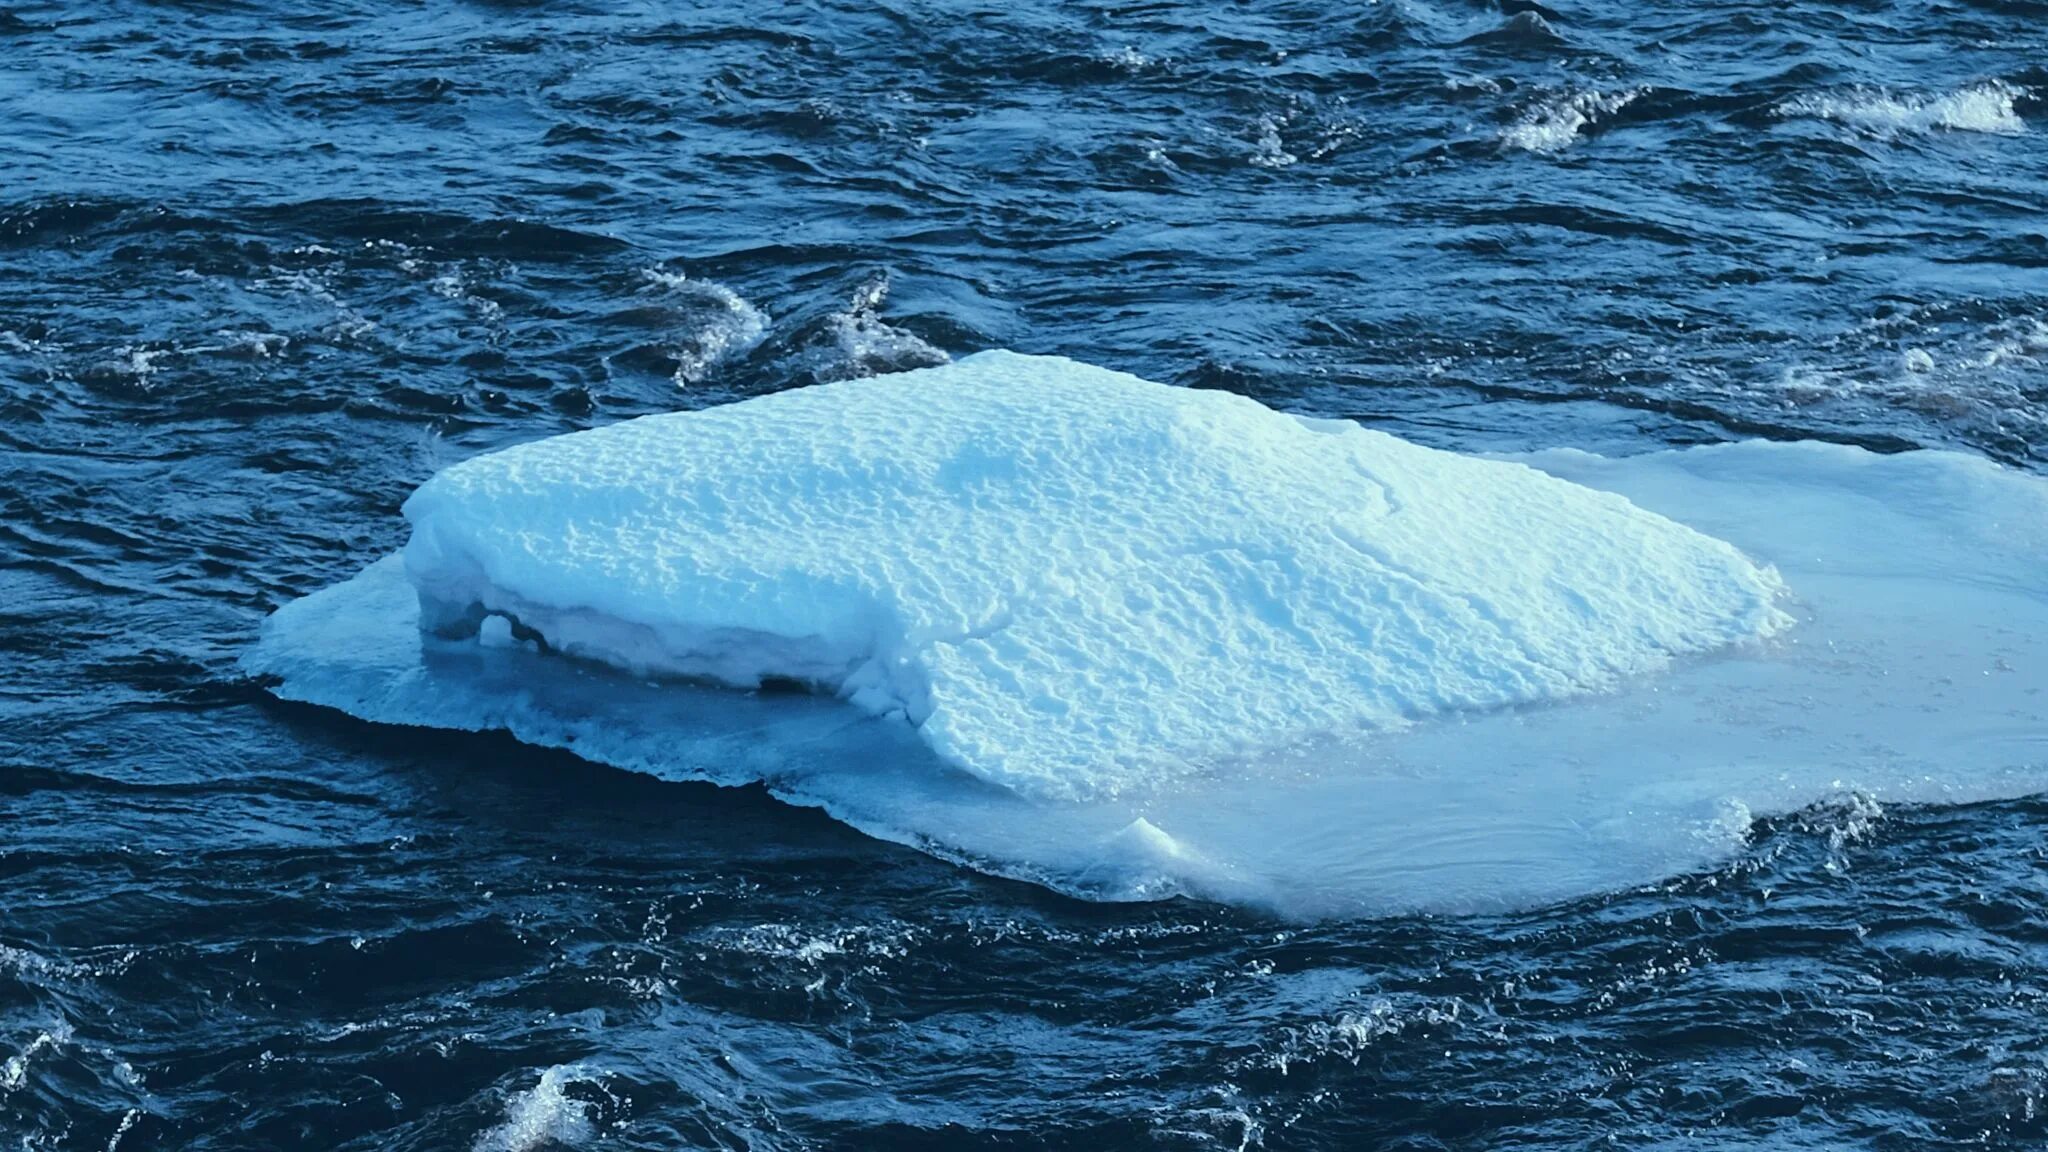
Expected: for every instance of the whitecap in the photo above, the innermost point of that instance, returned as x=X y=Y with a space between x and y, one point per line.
x=1978 y=381
x=1127 y=59
x=1268 y=151
x=346 y=324
x=129 y=363
x=454 y=283
x=15 y=342
x=857 y=342
x=122 y=1129
x=14 y=1070
x=1554 y=124
x=1988 y=107
x=544 y=1114
x=731 y=326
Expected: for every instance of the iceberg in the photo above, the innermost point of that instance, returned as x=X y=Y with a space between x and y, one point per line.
x=1131 y=641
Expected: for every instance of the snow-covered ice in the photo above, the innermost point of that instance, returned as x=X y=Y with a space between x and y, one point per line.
x=1128 y=640
x=1071 y=580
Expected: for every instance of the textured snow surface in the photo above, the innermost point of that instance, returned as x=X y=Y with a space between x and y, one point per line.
x=1071 y=581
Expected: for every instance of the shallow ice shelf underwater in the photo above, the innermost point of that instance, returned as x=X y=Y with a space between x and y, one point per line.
x=1131 y=641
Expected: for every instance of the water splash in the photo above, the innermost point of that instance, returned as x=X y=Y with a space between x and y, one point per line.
x=857 y=342
x=544 y=1114
x=733 y=327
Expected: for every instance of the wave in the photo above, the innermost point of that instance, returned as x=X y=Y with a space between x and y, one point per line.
x=1525 y=31
x=545 y=1115
x=1268 y=150
x=1980 y=379
x=1988 y=107
x=857 y=342
x=1556 y=123
x=732 y=328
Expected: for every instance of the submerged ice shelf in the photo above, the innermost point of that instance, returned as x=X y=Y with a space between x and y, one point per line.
x=1129 y=640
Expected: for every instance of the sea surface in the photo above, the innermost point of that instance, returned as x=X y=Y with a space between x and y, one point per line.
x=264 y=268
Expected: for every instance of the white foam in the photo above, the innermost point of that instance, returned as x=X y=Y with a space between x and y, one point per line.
x=1127 y=59
x=14 y=1070
x=1554 y=124
x=543 y=1115
x=2024 y=340
x=858 y=342
x=733 y=327
x=1268 y=150
x=1071 y=580
x=1918 y=672
x=1987 y=107
x=1977 y=382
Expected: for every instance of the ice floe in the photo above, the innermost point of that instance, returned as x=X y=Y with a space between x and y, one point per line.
x=1131 y=641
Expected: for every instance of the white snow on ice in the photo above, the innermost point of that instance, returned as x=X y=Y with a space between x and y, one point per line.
x=1495 y=599
x=1071 y=580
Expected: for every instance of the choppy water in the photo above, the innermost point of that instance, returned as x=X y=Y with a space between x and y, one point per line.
x=262 y=273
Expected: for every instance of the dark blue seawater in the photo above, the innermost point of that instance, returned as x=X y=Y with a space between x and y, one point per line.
x=264 y=268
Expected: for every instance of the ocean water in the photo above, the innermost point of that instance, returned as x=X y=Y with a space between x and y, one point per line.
x=263 y=272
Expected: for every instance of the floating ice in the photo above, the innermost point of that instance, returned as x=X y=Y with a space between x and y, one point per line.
x=1050 y=504
x=1071 y=580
